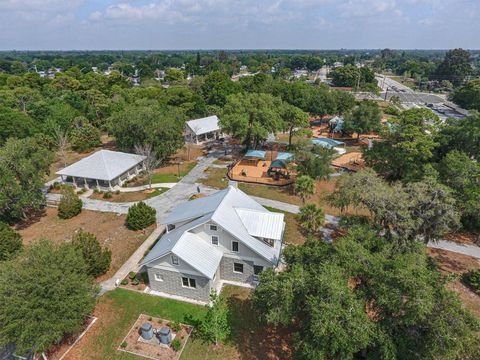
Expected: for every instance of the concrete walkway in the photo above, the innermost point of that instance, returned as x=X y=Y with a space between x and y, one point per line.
x=132 y=264
x=146 y=187
x=465 y=249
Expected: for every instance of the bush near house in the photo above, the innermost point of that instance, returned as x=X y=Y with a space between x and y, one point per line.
x=140 y=216
x=10 y=242
x=70 y=205
x=97 y=259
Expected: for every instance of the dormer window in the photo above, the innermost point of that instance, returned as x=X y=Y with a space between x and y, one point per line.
x=170 y=227
x=213 y=228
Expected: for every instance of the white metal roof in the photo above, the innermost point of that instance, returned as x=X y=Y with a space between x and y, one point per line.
x=189 y=247
x=222 y=207
x=262 y=224
x=204 y=125
x=102 y=165
x=198 y=254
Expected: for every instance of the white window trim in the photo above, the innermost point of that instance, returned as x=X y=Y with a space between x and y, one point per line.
x=178 y=260
x=238 y=246
x=188 y=287
x=218 y=240
x=210 y=227
x=238 y=272
x=158 y=277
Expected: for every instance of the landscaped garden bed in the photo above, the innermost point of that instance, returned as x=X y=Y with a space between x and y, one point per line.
x=135 y=281
x=117 y=196
x=152 y=348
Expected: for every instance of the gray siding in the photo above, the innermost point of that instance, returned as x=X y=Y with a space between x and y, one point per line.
x=172 y=284
x=227 y=273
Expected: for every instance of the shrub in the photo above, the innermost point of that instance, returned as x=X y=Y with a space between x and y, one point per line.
x=124 y=282
x=10 y=242
x=117 y=192
x=124 y=344
x=143 y=277
x=97 y=259
x=107 y=195
x=472 y=280
x=176 y=326
x=132 y=275
x=176 y=344
x=140 y=216
x=70 y=204
x=135 y=282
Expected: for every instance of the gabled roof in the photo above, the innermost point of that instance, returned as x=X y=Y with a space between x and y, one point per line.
x=189 y=247
x=102 y=165
x=221 y=208
x=204 y=125
x=262 y=224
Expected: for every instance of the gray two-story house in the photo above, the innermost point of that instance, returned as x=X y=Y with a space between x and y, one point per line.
x=225 y=237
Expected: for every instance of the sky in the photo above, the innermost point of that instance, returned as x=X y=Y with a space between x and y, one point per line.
x=238 y=24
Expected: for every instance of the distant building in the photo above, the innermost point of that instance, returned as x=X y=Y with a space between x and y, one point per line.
x=103 y=169
x=201 y=130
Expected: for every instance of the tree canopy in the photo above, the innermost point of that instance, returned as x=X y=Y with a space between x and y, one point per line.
x=46 y=294
x=362 y=297
x=24 y=164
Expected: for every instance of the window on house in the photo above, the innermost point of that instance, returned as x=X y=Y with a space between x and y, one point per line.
x=170 y=227
x=235 y=246
x=174 y=260
x=214 y=240
x=213 y=227
x=257 y=269
x=189 y=282
x=238 y=268
x=158 y=277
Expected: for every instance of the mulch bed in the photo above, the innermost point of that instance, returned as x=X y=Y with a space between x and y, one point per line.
x=132 y=344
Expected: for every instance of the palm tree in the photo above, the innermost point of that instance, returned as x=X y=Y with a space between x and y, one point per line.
x=311 y=218
x=304 y=187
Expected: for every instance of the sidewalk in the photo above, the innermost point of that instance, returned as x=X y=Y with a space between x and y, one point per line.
x=132 y=264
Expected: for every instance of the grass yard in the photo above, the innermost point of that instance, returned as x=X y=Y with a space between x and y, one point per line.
x=293 y=234
x=118 y=310
x=169 y=174
x=130 y=196
x=216 y=178
x=109 y=228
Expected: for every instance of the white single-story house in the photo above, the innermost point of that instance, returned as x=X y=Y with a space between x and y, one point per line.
x=225 y=237
x=103 y=169
x=200 y=130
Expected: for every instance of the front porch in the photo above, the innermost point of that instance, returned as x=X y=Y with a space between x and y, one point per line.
x=102 y=185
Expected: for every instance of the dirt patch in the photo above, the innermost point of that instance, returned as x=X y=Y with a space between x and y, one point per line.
x=449 y=262
x=109 y=228
x=134 y=344
x=464 y=238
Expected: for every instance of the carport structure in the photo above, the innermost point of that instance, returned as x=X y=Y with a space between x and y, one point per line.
x=103 y=170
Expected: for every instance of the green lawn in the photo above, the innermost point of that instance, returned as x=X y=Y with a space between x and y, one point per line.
x=118 y=310
x=172 y=176
x=293 y=234
x=217 y=178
